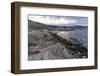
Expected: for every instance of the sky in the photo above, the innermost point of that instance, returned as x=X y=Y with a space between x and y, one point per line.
x=59 y=20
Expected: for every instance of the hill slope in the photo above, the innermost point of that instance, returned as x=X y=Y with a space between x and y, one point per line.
x=40 y=26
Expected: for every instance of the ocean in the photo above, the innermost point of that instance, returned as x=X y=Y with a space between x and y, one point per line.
x=80 y=35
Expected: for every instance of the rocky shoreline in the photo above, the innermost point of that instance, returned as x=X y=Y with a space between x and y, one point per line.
x=46 y=45
x=73 y=46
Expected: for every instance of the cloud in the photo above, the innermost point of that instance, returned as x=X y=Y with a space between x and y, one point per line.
x=64 y=21
x=57 y=20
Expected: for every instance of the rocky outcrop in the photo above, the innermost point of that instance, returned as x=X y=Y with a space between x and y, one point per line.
x=42 y=46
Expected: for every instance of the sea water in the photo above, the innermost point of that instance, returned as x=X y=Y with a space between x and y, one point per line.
x=80 y=34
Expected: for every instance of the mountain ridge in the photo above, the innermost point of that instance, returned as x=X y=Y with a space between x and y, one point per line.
x=39 y=26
